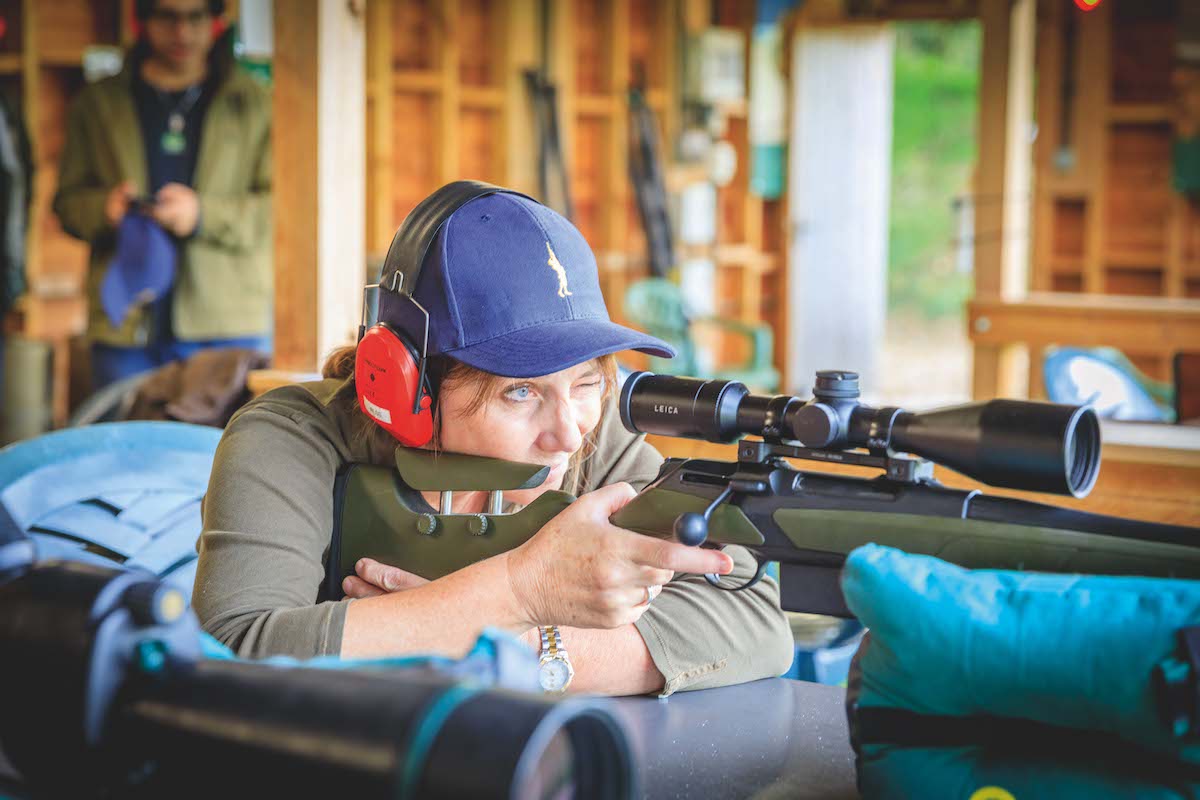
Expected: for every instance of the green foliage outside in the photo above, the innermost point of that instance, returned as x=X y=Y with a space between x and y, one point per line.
x=933 y=157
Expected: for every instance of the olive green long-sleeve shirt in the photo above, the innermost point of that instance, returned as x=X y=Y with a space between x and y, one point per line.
x=268 y=518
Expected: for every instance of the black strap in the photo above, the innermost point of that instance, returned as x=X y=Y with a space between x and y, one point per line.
x=554 y=184
x=649 y=186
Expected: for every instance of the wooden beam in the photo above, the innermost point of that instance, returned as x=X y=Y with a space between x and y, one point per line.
x=1149 y=326
x=30 y=109
x=1094 y=78
x=381 y=92
x=616 y=208
x=448 y=119
x=562 y=71
x=1002 y=185
x=521 y=51
x=318 y=138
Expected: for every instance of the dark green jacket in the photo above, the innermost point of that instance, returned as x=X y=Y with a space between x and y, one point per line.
x=224 y=282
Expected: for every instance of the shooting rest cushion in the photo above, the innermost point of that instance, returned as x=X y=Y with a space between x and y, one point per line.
x=1073 y=651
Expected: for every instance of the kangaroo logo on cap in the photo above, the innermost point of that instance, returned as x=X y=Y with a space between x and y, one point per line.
x=560 y=271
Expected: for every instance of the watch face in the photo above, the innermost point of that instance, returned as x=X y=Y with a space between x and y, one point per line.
x=554 y=674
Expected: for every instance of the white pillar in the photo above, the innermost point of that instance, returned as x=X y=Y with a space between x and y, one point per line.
x=839 y=182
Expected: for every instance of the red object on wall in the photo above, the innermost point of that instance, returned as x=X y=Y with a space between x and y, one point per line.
x=1087 y=5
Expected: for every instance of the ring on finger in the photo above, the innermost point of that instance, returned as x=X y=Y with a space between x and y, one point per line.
x=651 y=593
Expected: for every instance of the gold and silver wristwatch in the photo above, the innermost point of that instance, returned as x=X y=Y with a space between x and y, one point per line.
x=554 y=667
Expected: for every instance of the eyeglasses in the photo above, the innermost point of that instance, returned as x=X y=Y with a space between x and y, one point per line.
x=167 y=17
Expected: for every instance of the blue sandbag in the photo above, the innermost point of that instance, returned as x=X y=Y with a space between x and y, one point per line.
x=971 y=771
x=1066 y=650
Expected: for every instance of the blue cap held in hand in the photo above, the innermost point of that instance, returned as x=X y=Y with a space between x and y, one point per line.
x=141 y=271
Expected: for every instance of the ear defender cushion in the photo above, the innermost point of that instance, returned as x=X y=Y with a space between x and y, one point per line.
x=385 y=378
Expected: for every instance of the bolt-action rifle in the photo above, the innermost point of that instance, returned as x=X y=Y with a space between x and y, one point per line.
x=808 y=521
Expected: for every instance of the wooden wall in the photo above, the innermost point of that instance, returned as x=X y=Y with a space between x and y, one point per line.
x=447 y=100
x=1107 y=220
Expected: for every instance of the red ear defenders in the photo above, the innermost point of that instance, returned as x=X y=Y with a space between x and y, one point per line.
x=390 y=374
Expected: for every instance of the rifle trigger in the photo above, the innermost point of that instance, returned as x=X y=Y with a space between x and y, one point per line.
x=715 y=580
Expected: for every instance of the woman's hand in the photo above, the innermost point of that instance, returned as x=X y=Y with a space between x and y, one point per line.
x=372 y=579
x=583 y=571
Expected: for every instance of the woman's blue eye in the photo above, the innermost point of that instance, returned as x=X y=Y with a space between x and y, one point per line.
x=518 y=393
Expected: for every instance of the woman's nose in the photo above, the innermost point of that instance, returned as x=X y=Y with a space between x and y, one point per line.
x=562 y=433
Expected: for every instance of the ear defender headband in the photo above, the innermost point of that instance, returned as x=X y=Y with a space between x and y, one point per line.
x=390 y=375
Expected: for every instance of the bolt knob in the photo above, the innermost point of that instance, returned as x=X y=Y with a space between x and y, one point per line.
x=691 y=528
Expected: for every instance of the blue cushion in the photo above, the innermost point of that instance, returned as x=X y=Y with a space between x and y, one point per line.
x=114 y=493
x=1067 y=650
x=981 y=773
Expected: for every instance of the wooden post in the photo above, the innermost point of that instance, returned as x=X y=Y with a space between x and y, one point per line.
x=521 y=52
x=1094 y=76
x=381 y=222
x=31 y=93
x=448 y=117
x=1005 y=106
x=319 y=139
x=616 y=209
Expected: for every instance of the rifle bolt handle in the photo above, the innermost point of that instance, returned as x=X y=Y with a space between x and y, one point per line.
x=691 y=528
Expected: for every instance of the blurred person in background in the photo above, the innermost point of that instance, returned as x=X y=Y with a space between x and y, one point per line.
x=166 y=173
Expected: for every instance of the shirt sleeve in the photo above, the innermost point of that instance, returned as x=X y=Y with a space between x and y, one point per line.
x=267 y=521
x=698 y=636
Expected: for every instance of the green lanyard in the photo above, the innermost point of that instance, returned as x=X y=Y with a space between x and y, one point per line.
x=173 y=141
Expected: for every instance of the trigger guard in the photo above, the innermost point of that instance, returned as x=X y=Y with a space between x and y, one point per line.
x=715 y=580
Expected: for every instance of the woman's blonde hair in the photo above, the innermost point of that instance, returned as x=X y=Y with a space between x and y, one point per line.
x=482 y=386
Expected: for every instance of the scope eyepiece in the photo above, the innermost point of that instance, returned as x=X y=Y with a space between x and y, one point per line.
x=689 y=408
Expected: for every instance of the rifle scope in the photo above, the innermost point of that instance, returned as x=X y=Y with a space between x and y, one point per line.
x=1017 y=444
x=104 y=694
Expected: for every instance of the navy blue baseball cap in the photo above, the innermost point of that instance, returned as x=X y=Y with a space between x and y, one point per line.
x=141 y=271
x=512 y=288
